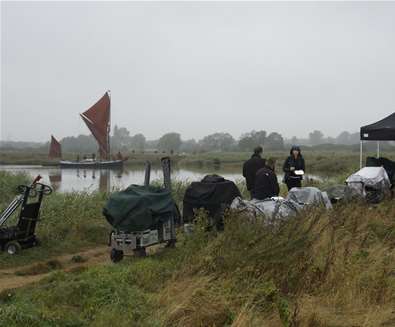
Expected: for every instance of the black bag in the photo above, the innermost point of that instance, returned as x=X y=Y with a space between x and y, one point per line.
x=214 y=194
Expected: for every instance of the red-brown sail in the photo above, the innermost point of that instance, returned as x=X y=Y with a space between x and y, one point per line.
x=97 y=118
x=55 y=149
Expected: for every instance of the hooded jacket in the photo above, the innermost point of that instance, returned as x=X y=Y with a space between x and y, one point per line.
x=298 y=163
x=266 y=184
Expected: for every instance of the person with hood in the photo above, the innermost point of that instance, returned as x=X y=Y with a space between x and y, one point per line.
x=293 y=163
x=266 y=184
x=250 y=168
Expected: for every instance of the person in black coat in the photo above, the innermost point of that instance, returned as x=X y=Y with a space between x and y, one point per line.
x=251 y=166
x=266 y=183
x=294 y=162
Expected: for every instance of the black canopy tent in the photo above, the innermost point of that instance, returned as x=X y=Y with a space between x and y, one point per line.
x=383 y=130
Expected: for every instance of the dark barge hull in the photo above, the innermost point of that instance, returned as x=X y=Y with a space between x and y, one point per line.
x=94 y=164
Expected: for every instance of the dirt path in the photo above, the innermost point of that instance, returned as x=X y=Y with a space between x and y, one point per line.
x=11 y=278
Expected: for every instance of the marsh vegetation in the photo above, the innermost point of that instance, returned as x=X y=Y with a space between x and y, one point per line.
x=323 y=268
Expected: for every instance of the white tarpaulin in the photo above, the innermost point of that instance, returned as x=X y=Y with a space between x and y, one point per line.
x=276 y=209
x=309 y=196
x=369 y=178
x=272 y=210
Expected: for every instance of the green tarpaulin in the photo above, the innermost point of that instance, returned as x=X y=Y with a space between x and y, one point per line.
x=138 y=208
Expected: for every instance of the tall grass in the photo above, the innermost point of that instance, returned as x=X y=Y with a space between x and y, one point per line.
x=323 y=162
x=68 y=221
x=8 y=186
x=249 y=275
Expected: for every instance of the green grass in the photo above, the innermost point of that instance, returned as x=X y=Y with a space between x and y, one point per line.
x=325 y=162
x=68 y=222
x=343 y=258
x=8 y=186
x=249 y=272
x=322 y=268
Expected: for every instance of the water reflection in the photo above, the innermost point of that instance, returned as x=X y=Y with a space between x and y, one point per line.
x=55 y=178
x=104 y=180
x=89 y=176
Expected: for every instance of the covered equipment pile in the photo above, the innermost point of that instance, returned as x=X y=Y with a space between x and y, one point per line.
x=309 y=196
x=277 y=209
x=271 y=210
x=138 y=208
x=274 y=210
x=213 y=193
x=371 y=183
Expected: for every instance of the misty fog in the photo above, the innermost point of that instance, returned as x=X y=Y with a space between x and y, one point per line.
x=196 y=68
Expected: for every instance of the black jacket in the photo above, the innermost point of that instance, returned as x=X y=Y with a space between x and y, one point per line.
x=298 y=163
x=266 y=184
x=250 y=168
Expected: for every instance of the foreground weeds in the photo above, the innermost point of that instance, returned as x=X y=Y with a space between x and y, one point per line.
x=321 y=268
x=68 y=222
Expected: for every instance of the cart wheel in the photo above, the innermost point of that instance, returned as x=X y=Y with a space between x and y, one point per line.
x=116 y=255
x=140 y=252
x=12 y=247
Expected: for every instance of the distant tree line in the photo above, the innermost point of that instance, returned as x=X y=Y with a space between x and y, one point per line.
x=122 y=140
x=317 y=138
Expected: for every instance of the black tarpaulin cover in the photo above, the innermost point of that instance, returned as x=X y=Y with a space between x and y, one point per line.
x=138 y=208
x=211 y=193
x=383 y=130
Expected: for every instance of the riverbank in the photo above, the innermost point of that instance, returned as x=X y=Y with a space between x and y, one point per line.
x=37 y=158
x=322 y=162
x=324 y=269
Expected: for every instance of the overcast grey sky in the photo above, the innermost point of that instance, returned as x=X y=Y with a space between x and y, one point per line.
x=196 y=68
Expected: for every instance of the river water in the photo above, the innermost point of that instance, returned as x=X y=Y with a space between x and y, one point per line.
x=89 y=180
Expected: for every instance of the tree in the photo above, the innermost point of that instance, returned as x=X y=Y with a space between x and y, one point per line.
x=170 y=142
x=137 y=142
x=121 y=139
x=80 y=144
x=348 y=138
x=217 y=142
x=343 y=138
x=249 y=141
x=330 y=140
x=316 y=137
x=355 y=138
x=189 y=146
x=274 y=141
x=294 y=140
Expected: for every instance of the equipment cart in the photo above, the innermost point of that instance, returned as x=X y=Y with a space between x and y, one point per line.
x=142 y=216
x=22 y=235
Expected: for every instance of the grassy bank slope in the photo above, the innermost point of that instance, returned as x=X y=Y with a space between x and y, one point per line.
x=320 y=269
x=68 y=222
x=327 y=162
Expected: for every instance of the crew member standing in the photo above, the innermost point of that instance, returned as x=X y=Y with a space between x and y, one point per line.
x=250 y=168
x=293 y=163
x=266 y=183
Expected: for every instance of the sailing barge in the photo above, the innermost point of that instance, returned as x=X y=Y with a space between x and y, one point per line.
x=92 y=164
x=97 y=118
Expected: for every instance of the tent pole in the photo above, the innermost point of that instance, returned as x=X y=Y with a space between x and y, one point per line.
x=378 y=149
x=360 y=156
